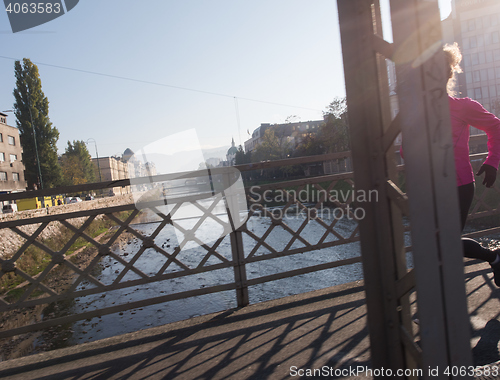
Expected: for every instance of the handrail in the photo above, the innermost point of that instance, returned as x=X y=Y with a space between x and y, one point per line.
x=167 y=177
x=247 y=247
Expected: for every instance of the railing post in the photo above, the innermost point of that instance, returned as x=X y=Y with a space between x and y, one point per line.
x=232 y=193
x=240 y=274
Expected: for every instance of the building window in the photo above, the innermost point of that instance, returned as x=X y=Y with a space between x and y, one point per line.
x=15 y=177
x=497 y=72
x=477 y=76
x=496 y=54
x=482 y=57
x=494 y=20
x=12 y=140
x=3 y=176
x=1 y=138
x=487 y=39
x=3 y=120
x=485 y=92
x=495 y=37
x=466 y=43
x=479 y=23
x=477 y=93
x=489 y=56
x=13 y=157
x=493 y=91
x=465 y=26
x=474 y=59
x=467 y=60
x=2 y=157
x=486 y=21
x=473 y=42
x=472 y=25
x=484 y=75
x=491 y=73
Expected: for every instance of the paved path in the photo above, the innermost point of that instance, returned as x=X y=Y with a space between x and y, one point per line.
x=271 y=340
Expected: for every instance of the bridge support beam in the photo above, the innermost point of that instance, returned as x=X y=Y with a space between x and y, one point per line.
x=430 y=178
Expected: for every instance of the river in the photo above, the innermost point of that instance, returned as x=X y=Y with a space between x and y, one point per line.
x=151 y=261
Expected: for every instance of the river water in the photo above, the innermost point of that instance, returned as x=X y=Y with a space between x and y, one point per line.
x=150 y=262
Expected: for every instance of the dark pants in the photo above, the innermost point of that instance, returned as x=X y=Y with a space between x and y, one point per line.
x=471 y=247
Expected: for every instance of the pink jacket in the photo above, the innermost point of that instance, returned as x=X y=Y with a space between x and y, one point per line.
x=465 y=112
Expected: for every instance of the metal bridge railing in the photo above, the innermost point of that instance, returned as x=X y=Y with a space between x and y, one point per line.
x=296 y=217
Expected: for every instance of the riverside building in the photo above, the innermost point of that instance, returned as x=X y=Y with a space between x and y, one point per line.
x=475 y=25
x=11 y=153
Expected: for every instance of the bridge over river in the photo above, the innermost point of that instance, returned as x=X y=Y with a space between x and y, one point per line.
x=137 y=292
x=291 y=337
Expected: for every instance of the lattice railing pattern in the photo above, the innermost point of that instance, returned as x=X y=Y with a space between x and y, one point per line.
x=311 y=215
x=141 y=247
x=173 y=259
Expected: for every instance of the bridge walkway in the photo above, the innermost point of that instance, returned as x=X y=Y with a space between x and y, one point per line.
x=323 y=330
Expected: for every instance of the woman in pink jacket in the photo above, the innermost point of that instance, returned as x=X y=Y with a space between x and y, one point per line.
x=465 y=112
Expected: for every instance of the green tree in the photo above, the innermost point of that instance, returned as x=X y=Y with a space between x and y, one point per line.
x=38 y=136
x=272 y=147
x=77 y=164
x=335 y=133
x=310 y=145
x=241 y=157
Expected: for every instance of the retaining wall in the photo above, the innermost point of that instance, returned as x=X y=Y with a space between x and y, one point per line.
x=10 y=241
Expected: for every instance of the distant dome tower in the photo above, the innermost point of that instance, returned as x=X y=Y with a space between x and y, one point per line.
x=127 y=154
x=231 y=154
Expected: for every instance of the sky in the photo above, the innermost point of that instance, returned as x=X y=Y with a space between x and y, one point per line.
x=128 y=73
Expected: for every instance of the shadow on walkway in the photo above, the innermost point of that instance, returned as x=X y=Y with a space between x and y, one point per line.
x=304 y=336
x=271 y=340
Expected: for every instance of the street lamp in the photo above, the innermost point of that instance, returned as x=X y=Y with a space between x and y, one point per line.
x=97 y=155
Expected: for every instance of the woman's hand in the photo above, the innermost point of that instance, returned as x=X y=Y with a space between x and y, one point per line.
x=490 y=174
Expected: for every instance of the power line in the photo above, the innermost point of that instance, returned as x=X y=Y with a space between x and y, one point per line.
x=162 y=84
x=237 y=117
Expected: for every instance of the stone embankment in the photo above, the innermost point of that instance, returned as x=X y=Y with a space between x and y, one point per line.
x=10 y=241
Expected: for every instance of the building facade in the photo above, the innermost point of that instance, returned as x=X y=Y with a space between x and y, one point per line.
x=113 y=169
x=475 y=26
x=293 y=132
x=11 y=153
